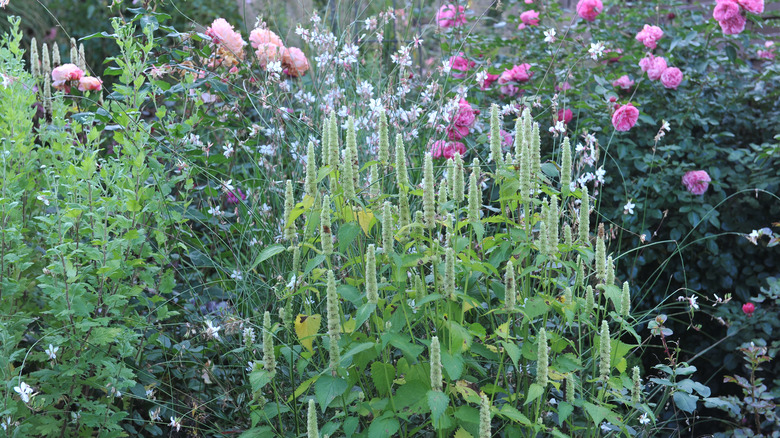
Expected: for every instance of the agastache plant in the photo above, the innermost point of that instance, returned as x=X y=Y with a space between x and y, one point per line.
x=372 y=290
x=436 y=377
x=429 y=206
x=542 y=358
x=334 y=322
x=269 y=359
x=605 y=352
x=495 y=137
x=326 y=235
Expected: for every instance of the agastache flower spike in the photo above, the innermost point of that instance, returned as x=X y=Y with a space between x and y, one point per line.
x=536 y=151
x=45 y=61
x=346 y=168
x=625 y=300
x=372 y=290
x=601 y=255
x=450 y=176
x=584 y=226
x=442 y=200
x=544 y=242
x=387 y=227
x=484 y=416
x=436 y=378
x=375 y=186
x=542 y=361
x=571 y=388
x=525 y=172
x=579 y=280
x=636 y=391
x=400 y=163
x=35 y=67
x=353 y=152
x=312 y=430
x=326 y=236
x=565 y=166
x=590 y=302
x=519 y=136
x=475 y=196
x=429 y=208
x=610 y=271
x=510 y=286
x=495 y=137
x=269 y=359
x=605 y=352
x=289 y=226
x=334 y=150
x=404 y=215
x=458 y=184
x=567 y=239
x=334 y=322
x=384 y=139
x=325 y=152
x=552 y=225
x=567 y=295
x=310 y=183
x=449 y=272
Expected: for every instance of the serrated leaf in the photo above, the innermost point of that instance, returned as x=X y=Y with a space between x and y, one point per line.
x=534 y=391
x=564 y=410
x=453 y=364
x=513 y=414
x=437 y=402
x=597 y=413
x=384 y=426
x=347 y=234
x=461 y=433
x=327 y=389
x=382 y=374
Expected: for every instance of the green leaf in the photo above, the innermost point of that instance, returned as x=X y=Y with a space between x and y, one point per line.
x=534 y=391
x=685 y=402
x=513 y=351
x=438 y=402
x=564 y=410
x=347 y=234
x=513 y=414
x=257 y=432
x=363 y=313
x=597 y=413
x=327 y=389
x=267 y=254
x=535 y=307
x=382 y=375
x=453 y=364
x=384 y=426
x=350 y=426
x=258 y=378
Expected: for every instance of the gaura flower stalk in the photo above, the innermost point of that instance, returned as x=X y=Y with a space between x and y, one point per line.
x=625 y=300
x=542 y=361
x=510 y=286
x=312 y=430
x=384 y=139
x=429 y=208
x=387 y=227
x=400 y=164
x=334 y=322
x=372 y=290
x=310 y=183
x=584 y=225
x=436 y=377
x=484 y=416
x=269 y=359
x=326 y=236
x=289 y=225
x=605 y=352
x=565 y=166
x=495 y=137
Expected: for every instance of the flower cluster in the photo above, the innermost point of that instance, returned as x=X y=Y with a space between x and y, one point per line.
x=649 y=36
x=729 y=14
x=656 y=69
x=68 y=74
x=623 y=82
x=625 y=117
x=528 y=18
x=463 y=121
x=461 y=64
x=769 y=52
x=230 y=44
x=515 y=75
x=451 y=16
x=589 y=9
x=696 y=181
x=447 y=149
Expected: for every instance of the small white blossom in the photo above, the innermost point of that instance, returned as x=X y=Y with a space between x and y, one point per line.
x=549 y=36
x=644 y=419
x=154 y=415
x=211 y=330
x=6 y=423
x=25 y=391
x=250 y=366
x=216 y=211
x=629 y=207
x=446 y=66
x=227 y=150
x=175 y=424
x=596 y=50
x=236 y=275
x=43 y=199
x=52 y=352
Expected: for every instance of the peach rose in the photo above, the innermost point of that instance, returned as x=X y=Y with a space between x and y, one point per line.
x=264 y=36
x=65 y=73
x=295 y=62
x=90 y=83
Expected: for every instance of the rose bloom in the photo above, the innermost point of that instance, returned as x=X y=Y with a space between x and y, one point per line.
x=725 y=9
x=295 y=62
x=461 y=64
x=696 y=181
x=90 y=83
x=589 y=9
x=222 y=33
x=754 y=6
x=447 y=149
x=625 y=117
x=463 y=121
x=649 y=36
x=565 y=115
x=656 y=68
x=449 y=16
x=623 y=82
x=264 y=36
x=267 y=52
x=489 y=81
x=518 y=73
x=528 y=18
x=646 y=62
x=671 y=77
x=734 y=25
x=749 y=308
x=65 y=73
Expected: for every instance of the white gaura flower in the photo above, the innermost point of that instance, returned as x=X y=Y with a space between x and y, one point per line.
x=52 y=352
x=236 y=275
x=644 y=419
x=629 y=207
x=175 y=424
x=154 y=415
x=596 y=50
x=549 y=36
x=25 y=391
x=212 y=331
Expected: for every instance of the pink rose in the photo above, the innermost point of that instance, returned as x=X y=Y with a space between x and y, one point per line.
x=488 y=81
x=646 y=62
x=589 y=9
x=754 y=6
x=447 y=149
x=518 y=73
x=649 y=36
x=267 y=52
x=696 y=181
x=656 y=68
x=462 y=64
x=450 y=16
x=222 y=33
x=295 y=62
x=565 y=115
x=671 y=77
x=65 y=73
x=264 y=36
x=734 y=25
x=90 y=83
x=463 y=121
x=748 y=309
x=625 y=117
x=529 y=18
x=623 y=82
x=725 y=9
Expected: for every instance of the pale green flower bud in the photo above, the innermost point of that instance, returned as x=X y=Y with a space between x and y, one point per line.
x=419 y=288
x=544 y=242
x=571 y=388
x=372 y=289
x=326 y=235
x=567 y=296
x=334 y=322
x=484 y=416
x=387 y=227
x=404 y=215
x=508 y=158
x=552 y=225
x=475 y=168
x=449 y=272
x=442 y=200
x=584 y=225
x=579 y=280
x=269 y=359
x=590 y=302
x=625 y=300
x=82 y=64
x=310 y=183
x=429 y=206
x=527 y=127
x=542 y=361
x=636 y=391
x=346 y=174
x=458 y=184
x=384 y=139
x=495 y=137
x=74 y=52
x=55 y=56
x=450 y=175
x=374 y=184
x=601 y=255
x=400 y=164
x=605 y=352
x=567 y=239
x=610 y=271
x=353 y=151
x=325 y=152
x=35 y=66
x=334 y=149
x=510 y=286
x=436 y=377
x=289 y=203
x=519 y=135
x=475 y=199
x=536 y=151
x=526 y=169
x=312 y=430
x=45 y=61
x=565 y=166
